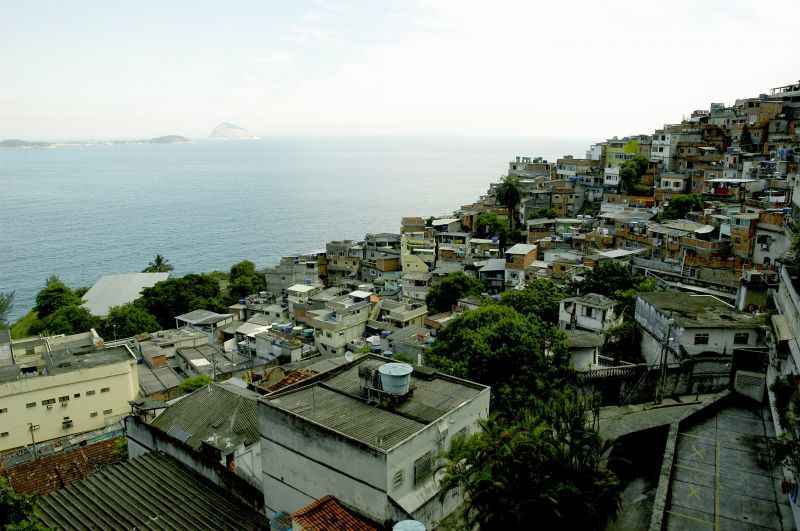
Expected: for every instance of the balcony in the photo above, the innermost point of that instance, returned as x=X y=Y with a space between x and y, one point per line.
x=706 y=246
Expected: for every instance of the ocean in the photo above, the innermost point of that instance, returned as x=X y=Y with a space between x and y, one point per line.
x=82 y=212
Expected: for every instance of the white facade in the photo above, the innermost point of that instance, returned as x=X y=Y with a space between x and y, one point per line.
x=67 y=403
x=611 y=176
x=587 y=314
x=304 y=461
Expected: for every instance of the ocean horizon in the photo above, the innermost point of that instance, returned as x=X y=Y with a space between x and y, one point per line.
x=81 y=212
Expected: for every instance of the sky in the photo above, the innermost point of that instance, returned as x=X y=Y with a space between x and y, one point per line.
x=94 y=70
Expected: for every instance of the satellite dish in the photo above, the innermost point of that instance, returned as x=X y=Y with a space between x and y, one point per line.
x=348 y=356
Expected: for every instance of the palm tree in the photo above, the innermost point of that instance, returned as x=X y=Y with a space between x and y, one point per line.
x=158 y=265
x=509 y=195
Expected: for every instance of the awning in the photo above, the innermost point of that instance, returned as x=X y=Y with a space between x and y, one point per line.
x=781 y=326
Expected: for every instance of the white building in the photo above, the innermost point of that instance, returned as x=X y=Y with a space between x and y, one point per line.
x=371 y=443
x=48 y=393
x=698 y=325
x=343 y=320
x=299 y=295
x=592 y=312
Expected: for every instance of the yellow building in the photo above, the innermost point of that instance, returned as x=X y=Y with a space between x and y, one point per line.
x=47 y=393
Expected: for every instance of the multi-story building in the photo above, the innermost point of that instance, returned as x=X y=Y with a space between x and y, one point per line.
x=369 y=433
x=291 y=270
x=591 y=312
x=344 y=259
x=531 y=167
x=63 y=386
x=342 y=320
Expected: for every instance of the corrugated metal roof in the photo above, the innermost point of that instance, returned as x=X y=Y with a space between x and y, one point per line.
x=153 y=491
x=219 y=415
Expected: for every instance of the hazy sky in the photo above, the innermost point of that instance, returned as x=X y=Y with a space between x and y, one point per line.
x=81 y=69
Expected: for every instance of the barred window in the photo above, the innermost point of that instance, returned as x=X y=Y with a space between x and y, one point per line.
x=701 y=339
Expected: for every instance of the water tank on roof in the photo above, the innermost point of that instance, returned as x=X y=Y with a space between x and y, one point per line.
x=395 y=377
x=408 y=525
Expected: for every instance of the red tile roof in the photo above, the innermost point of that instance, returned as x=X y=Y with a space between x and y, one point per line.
x=326 y=514
x=293 y=377
x=56 y=471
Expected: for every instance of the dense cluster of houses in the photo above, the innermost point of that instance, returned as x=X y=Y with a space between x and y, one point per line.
x=321 y=406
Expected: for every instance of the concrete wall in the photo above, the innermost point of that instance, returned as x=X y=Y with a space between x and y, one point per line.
x=302 y=462
x=87 y=412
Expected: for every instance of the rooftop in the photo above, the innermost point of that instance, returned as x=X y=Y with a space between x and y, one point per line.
x=153 y=491
x=53 y=363
x=521 y=248
x=583 y=339
x=116 y=290
x=333 y=400
x=699 y=311
x=326 y=514
x=220 y=415
x=301 y=288
x=202 y=317
x=592 y=299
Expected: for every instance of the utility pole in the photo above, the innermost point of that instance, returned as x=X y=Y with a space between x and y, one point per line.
x=32 y=428
x=662 y=377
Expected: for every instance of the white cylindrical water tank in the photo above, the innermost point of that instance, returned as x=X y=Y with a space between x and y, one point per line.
x=395 y=377
x=408 y=525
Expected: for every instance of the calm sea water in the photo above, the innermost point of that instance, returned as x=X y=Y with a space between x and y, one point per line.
x=84 y=212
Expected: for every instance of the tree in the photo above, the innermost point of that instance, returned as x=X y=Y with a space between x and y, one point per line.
x=509 y=195
x=53 y=296
x=490 y=225
x=194 y=383
x=128 y=320
x=631 y=172
x=159 y=264
x=680 y=205
x=497 y=346
x=544 y=470
x=445 y=293
x=608 y=278
x=72 y=319
x=6 y=302
x=176 y=296
x=16 y=510
x=540 y=298
x=245 y=280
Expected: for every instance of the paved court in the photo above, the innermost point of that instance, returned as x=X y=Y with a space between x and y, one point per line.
x=718 y=482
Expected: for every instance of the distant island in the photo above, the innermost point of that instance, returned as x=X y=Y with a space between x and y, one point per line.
x=231 y=131
x=169 y=139
x=14 y=143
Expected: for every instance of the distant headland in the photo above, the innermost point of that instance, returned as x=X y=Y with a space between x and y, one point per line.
x=231 y=131
x=15 y=143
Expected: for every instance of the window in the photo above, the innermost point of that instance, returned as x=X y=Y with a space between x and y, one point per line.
x=76 y=395
x=49 y=402
x=3 y=410
x=422 y=468
x=587 y=312
x=107 y=411
x=701 y=339
x=105 y=390
x=4 y=434
x=741 y=338
x=63 y=398
x=90 y=392
x=93 y=414
x=30 y=405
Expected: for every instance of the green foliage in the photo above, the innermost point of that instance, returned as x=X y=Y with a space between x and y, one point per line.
x=22 y=328
x=540 y=298
x=128 y=320
x=491 y=225
x=497 y=346
x=6 y=302
x=680 y=205
x=509 y=195
x=548 y=213
x=608 y=278
x=631 y=172
x=16 y=510
x=445 y=293
x=244 y=280
x=194 y=383
x=631 y=147
x=159 y=264
x=53 y=296
x=787 y=399
x=176 y=296
x=121 y=448
x=545 y=470
x=72 y=319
